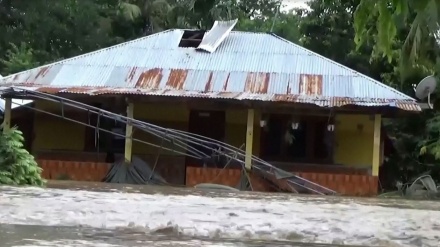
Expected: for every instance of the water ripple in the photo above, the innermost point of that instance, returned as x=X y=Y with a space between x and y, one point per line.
x=245 y=216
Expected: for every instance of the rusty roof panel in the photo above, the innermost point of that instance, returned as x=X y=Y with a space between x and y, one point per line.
x=257 y=83
x=149 y=78
x=250 y=66
x=310 y=84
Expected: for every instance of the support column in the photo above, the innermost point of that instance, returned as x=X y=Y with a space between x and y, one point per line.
x=7 y=115
x=376 y=145
x=249 y=138
x=129 y=134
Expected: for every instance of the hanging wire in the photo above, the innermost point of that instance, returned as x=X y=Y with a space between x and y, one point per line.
x=159 y=150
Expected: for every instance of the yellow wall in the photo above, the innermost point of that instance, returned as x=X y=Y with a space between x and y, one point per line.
x=353 y=147
x=167 y=116
x=52 y=133
x=176 y=117
x=354 y=140
x=236 y=129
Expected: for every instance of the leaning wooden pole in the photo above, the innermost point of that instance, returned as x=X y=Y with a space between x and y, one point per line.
x=249 y=138
x=7 y=115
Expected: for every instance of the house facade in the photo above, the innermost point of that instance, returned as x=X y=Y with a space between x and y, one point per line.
x=279 y=101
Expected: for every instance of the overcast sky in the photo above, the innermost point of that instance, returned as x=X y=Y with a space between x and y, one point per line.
x=289 y=4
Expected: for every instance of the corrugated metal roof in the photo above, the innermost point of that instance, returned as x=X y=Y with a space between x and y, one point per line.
x=214 y=37
x=16 y=103
x=253 y=66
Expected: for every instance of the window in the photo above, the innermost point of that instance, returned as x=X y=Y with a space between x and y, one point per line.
x=309 y=142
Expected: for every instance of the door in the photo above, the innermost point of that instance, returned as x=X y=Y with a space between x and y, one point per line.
x=209 y=124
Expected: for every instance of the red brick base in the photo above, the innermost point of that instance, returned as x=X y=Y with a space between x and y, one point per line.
x=73 y=170
x=350 y=185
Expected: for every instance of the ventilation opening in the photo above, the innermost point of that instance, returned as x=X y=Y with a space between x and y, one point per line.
x=191 y=38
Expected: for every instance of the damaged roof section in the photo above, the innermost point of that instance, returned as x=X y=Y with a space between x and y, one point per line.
x=246 y=66
x=214 y=37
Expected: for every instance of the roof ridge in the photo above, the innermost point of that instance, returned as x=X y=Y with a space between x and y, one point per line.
x=345 y=67
x=88 y=53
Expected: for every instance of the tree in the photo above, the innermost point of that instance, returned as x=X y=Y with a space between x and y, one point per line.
x=420 y=48
x=18 y=58
x=159 y=15
x=17 y=166
x=68 y=27
x=327 y=29
x=285 y=25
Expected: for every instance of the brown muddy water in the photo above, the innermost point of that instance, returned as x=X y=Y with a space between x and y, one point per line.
x=95 y=214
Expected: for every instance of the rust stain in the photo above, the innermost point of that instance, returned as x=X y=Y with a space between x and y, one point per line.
x=310 y=84
x=177 y=79
x=80 y=90
x=225 y=85
x=131 y=74
x=49 y=90
x=289 y=86
x=208 y=85
x=149 y=79
x=228 y=95
x=179 y=76
x=285 y=98
x=42 y=72
x=257 y=83
x=341 y=101
x=28 y=79
x=105 y=91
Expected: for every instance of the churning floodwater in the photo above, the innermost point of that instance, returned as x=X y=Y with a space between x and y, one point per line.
x=117 y=215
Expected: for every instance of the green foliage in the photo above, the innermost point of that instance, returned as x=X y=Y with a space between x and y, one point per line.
x=429 y=146
x=18 y=58
x=419 y=19
x=285 y=25
x=61 y=29
x=327 y=29
x=17 y=166
x=159 y=15
x=41 y=33
x=405 y=33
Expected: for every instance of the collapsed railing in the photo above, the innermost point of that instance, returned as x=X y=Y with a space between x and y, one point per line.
x=180 y=139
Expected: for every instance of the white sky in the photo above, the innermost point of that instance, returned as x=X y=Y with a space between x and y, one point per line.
x=289 y=4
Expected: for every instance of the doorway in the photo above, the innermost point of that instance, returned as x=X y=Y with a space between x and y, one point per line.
x=309 y=142
x=209 y=124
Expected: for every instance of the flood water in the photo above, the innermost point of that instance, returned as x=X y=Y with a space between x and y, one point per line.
x=86 y=214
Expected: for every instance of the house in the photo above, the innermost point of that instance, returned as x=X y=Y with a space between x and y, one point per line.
x=292 y=107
